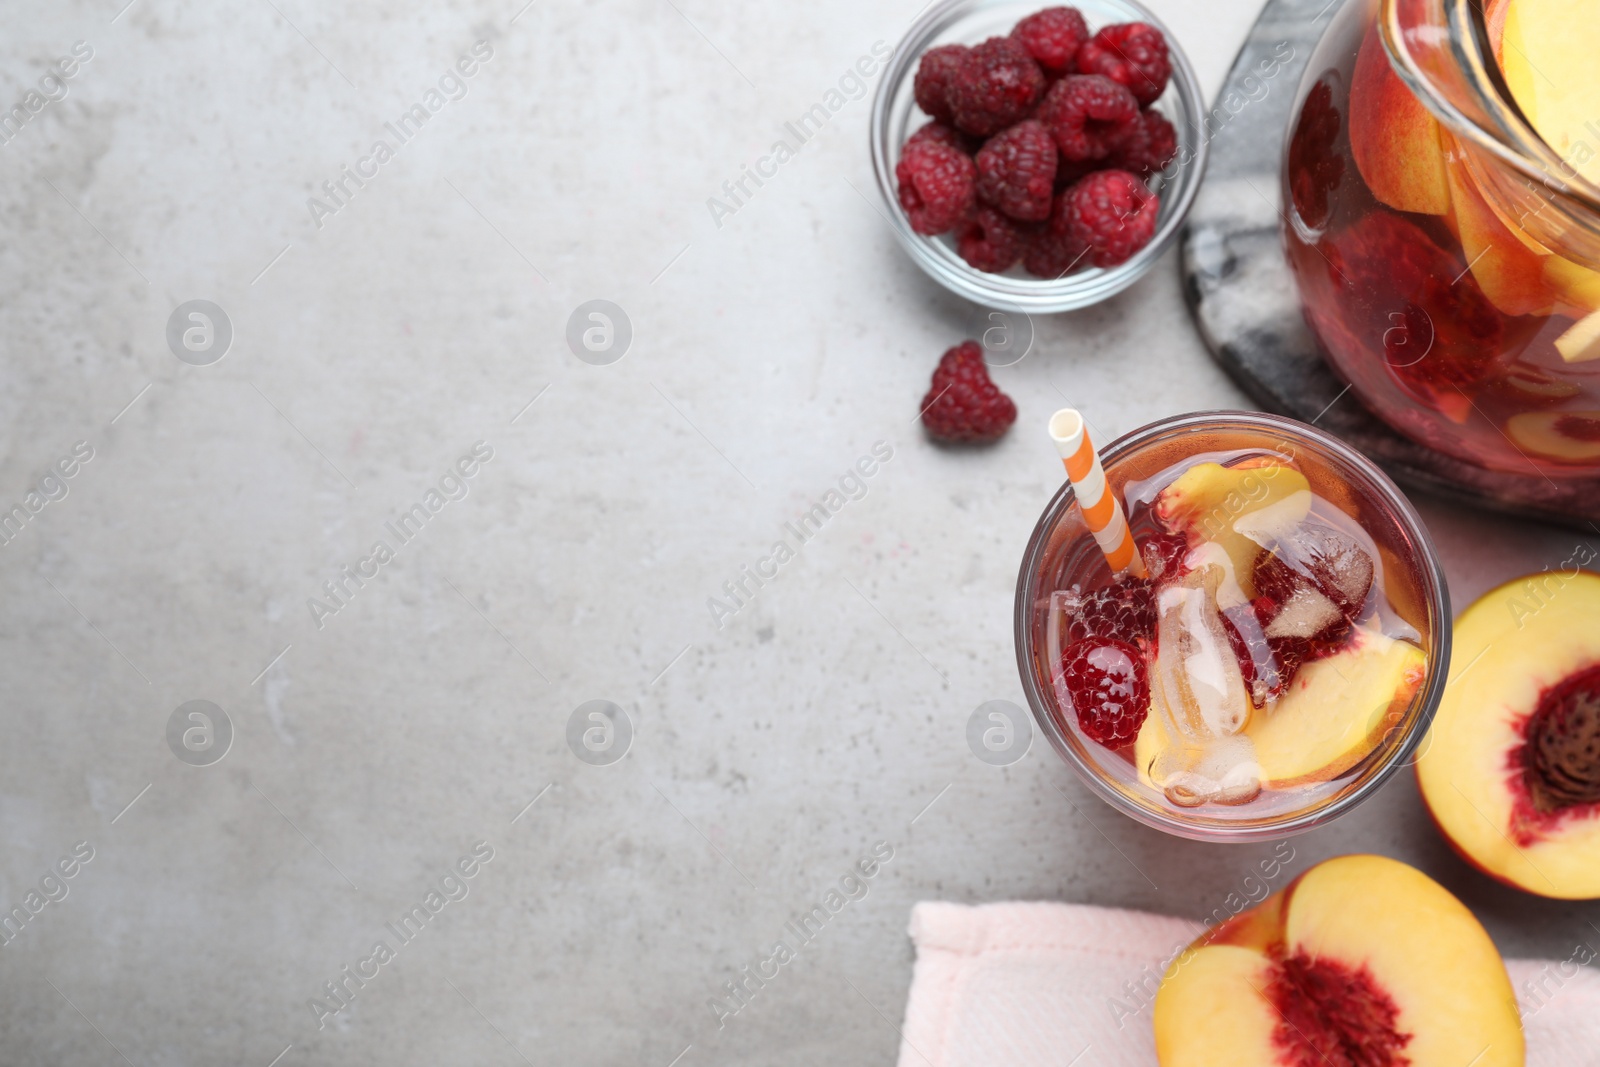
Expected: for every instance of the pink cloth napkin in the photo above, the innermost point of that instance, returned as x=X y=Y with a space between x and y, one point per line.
x=1069 y=985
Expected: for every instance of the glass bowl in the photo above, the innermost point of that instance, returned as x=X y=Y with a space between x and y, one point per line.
x=895 y=116
x=1408 y=572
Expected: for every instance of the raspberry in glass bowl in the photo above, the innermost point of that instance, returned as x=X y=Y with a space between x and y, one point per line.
x=1037 y=157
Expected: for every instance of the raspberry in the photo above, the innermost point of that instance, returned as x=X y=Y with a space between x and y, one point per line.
x=1578 y=427
x=1049 y=255
x=989 y=241
x=962 y=403
x=1110 y=690
x=1017 y=171
x=1069 y=172
x=1112 y=212
x=1133 y=54
x=937 y=186
x=1124 y=610
x=1339 y=567
x=1163 y=555
x=1440 y=333
x=1315 y=169
x=1053 y=252
x=1298 y=619
x=1151 y=147
x=945 y=134
x=1090 y=116
x=996 y=84
x=931 y=86
x=1268 y=665
x=1053 y=37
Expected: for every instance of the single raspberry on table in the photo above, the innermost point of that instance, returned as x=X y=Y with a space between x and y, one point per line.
x=1133 y=54
x=1114 y=213
x=931 y=86
x=937 y=186
x=994 y=86
x=1152 y=146
x=943 y=133
x=962 y=403
x=1089 y=115
x=1125 y=610
x=1017 y=171
x=1110 y=689
x=989 y=241
x=1053 y=37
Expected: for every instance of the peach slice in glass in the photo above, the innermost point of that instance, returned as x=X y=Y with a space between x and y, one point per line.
x=1336 y=710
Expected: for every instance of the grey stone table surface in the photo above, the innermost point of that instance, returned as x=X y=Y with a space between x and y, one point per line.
x=419 y=720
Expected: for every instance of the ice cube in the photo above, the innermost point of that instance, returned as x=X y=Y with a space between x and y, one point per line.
x=1225 y=771
x=1307 y=613
x=1335 y=561
x=1198 y=683
x=1230 y=594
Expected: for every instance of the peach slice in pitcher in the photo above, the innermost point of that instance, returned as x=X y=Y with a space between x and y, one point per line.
x=1548 y=61
x=1510 y=273
x=1395 y=141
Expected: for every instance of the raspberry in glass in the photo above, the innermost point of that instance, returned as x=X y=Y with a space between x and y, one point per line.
x=931 y=86
x=1110 y=689
x=1151 y=147
x=1089 y=115
x=1133 y=54
x=1017 y=171
x=1114 y=213
x=995 y=85
x=937 y=186
x=945 y=134
x=1053 y=37
x=989 y=241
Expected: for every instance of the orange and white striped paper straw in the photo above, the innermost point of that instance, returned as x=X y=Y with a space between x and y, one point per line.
x=1101 y=509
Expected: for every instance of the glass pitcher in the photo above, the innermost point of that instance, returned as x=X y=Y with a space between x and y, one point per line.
x=1447 y=258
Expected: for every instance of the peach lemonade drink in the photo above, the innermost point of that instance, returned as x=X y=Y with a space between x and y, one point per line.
x=1277 y=644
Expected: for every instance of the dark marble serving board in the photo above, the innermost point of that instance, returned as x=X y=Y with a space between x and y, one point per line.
x=1241 y=295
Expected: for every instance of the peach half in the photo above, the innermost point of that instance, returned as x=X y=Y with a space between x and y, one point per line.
x=1361 y=960
x=1394 y=139
x=1511 y=767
